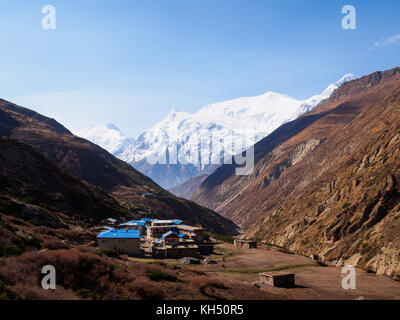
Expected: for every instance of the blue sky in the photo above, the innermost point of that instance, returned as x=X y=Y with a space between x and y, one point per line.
x=130 y=62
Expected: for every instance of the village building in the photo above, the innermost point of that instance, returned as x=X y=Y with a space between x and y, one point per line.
x=205 y=248
x=155 y=223
x=239 y=243
x=157 y=228
x=175 y=252
x=280 y=280
x=119 y=240
x=156 y=232
x=162 y=238
x=314 y=257
x=147 y=195
x=110 y=222
x=134 y=225
x=194 y=233
x=170 y=238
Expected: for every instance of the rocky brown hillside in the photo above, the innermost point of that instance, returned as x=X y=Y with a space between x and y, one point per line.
x=38 y=195
x=187 y=188
x=89 y=162
x=326 y=183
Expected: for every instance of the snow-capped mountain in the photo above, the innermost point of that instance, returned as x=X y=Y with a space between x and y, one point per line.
x=107 y=136
x=183 y=145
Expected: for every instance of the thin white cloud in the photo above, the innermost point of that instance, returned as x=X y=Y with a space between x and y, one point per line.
x=390 y=41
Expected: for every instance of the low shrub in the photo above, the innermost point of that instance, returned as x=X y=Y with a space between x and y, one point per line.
x=223 y=238
x=54 y=244
x=88 y=294
x=10 y=251
x=146 y=290
x=7 y=294
x=203 y=282
x=156 y=275
x=74 y=270
x=110 y=253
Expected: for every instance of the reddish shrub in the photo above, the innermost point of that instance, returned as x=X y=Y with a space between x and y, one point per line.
x=74 y=269
x=6 y=237
x=203 y=282
x=53 y=244
x=30 y=292
x=83 y=274
x=146 y=290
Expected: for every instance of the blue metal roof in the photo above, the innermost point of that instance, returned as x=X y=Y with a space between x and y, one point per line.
x=181 y=235
x=138 y=222
x=120 y=234
x=168 y=234
x=177 y=221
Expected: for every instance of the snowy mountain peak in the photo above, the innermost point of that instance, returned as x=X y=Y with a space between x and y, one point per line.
x=199 y=140
x=263 y=114
x=112 y=126
x=272 y=94
x=109 y=137
x=314 y=100
x=176 y=114
x=346 y=78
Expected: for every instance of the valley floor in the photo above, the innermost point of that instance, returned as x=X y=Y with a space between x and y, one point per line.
x=85 y=272
x=313 y=281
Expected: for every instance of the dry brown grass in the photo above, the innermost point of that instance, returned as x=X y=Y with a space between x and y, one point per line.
x=203 y=282
x=84 y=273
x=54 y=244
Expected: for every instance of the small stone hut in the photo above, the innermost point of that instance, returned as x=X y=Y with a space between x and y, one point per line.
x=281 y=280
x=247 y=244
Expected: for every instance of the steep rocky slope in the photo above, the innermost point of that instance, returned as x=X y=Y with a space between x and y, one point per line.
x=326 y=183
x=187 y=188
x=96 y=166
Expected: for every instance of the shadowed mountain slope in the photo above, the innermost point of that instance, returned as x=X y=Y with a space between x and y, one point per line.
x=187 y=188
x=36 y=189
x=96 y=166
